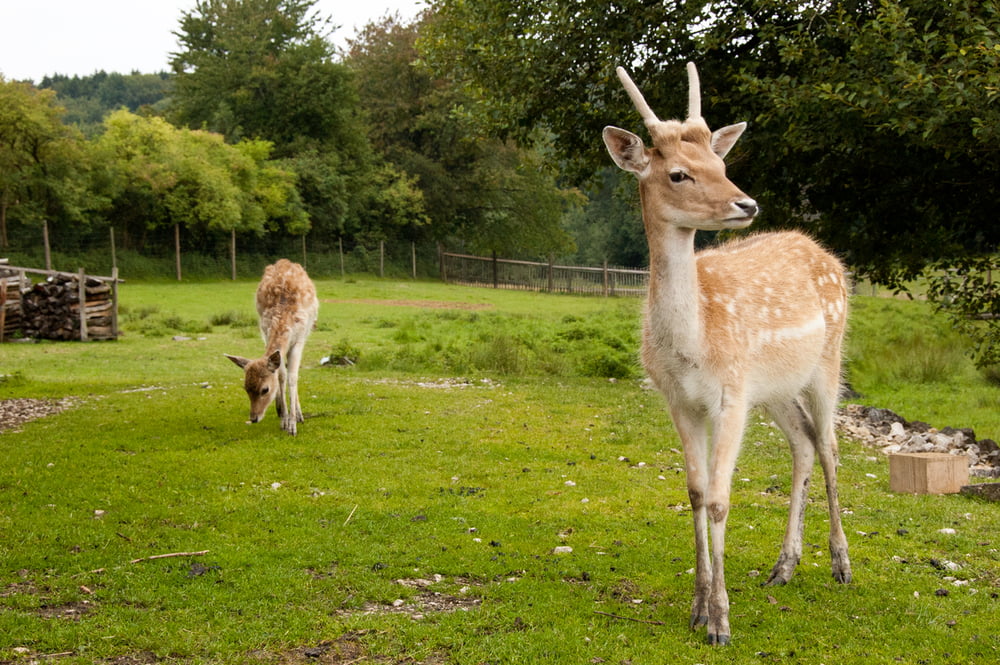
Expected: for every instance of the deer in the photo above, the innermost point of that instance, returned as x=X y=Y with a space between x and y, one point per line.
x=287 y=307
x=755 y=322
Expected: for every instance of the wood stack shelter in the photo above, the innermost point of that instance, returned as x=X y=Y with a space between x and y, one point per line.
x=62 y=306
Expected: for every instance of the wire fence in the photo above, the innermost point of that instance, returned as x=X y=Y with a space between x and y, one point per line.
x=499 y=273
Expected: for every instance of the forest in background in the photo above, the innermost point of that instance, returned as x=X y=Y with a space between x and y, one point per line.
x=476 y=127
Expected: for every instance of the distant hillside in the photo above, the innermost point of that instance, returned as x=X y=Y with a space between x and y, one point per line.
x=88 y=99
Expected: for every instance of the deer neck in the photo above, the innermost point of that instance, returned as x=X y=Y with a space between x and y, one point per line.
x=674 y=307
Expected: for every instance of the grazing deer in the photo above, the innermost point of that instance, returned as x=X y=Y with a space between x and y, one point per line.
x=756 y=322
x=287 y=306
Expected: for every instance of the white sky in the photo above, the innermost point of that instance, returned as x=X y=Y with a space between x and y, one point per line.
x=44 y=37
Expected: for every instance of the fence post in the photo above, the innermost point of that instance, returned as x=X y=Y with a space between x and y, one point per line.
x=496 y=276
x=177 y=249
x=232 y=253
x=442 y=269
x=340 y=243
x=381 y=258
x=3 y=306
x=605 y=275
x=81 y=297
x=48 y=249
x=551 y=275
x=114 y=258
x=413 y=253
x=114 y=302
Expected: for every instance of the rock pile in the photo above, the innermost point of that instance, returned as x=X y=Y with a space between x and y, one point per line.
x=891 y=433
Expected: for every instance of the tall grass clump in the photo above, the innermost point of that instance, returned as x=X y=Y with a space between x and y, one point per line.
x=600 y=344
x=893 y=342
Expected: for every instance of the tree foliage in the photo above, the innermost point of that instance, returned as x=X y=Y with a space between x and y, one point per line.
x=43 y=162
x=491 y=195
x=969 y=291
x=87 y=99
x=165 y=176
x=264 y=69
x=873 y=122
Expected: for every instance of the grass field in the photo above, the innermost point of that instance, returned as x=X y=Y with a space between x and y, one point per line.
x=417 y=515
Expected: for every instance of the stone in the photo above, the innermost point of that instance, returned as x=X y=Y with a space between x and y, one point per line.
x=988 y=491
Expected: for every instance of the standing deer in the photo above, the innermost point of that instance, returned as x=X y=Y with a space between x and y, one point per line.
x=287 y=306
x=755 y=322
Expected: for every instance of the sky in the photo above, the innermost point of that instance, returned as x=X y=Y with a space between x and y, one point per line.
x=81 y=37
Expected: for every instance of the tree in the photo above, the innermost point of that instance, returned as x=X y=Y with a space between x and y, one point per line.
x=263 y=69
x=192 y=180
x=491 y=195
x=88 y=99
x=873 y=123
x=259 y=69
x=43 y=163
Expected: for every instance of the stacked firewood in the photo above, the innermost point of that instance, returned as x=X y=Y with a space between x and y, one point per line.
x=10 y=305
x=51 y=309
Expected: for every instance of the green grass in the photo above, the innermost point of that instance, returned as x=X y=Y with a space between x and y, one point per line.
x=465 y=444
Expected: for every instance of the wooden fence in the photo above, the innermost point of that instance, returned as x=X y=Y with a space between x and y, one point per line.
x=534 y=276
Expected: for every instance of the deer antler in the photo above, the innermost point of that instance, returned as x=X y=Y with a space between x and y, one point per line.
x=694 y=92
x=641 y=106
x=694 y=95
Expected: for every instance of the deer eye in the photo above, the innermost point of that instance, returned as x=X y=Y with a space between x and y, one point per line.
x=679 y=176
x=265 y=391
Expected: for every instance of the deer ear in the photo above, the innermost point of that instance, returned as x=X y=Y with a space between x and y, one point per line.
x=626 y=149
x=725 y=138
x=239 y=360
x=274 y=361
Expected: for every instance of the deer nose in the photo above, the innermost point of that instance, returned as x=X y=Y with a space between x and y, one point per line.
x=748 y=206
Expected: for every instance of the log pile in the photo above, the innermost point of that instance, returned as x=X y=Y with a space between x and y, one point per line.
x=51 y=309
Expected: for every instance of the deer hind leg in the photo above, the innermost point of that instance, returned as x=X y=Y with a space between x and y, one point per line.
x=798 y=428
x=692 y=430
x=823 y=403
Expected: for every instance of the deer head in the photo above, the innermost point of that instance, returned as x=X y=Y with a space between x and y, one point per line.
x=260 y=380
x=682 y=178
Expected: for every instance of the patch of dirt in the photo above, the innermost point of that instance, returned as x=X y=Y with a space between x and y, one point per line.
x=426 y=304
x=445 y=384
x=421 y=604
x=347 y=649
x=18 y=411
x=71 y=611
x=141 y=658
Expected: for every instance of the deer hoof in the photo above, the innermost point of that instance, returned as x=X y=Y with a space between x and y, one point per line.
x=776 y=580
x=720 y=640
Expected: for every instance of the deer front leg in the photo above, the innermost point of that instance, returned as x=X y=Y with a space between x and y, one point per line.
x=294 y=414
x=695 y=445
x=727 y=434
x=280 y=400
